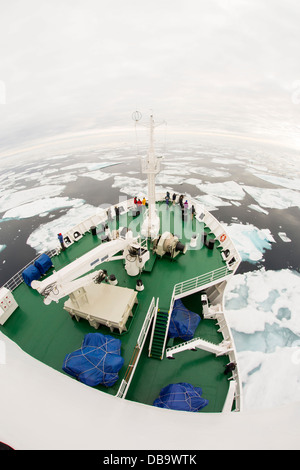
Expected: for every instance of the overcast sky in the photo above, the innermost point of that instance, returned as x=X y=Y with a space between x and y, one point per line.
x=75 y=65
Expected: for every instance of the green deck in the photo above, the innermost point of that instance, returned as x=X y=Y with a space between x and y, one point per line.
x=48 y=333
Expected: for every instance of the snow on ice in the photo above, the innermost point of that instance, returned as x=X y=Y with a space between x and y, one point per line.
x=262 y=310
x=17 y=198
x=45 y=236
x=41 y=207
x=250 y=241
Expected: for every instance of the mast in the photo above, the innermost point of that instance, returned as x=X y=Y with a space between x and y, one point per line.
x=150 y=167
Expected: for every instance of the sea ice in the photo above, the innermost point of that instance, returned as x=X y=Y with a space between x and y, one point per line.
x=98 y=175
x=166 y=179
x=211 y=203
x=2 y=247
x=262 y=311
x=15 y=199
x=284 y=237
x=41 y=207
x=270 y=380
x=258 y=209
x=90 y=166
x=274 y=198
x=226 y=161
x=260 y=297
x=211 y=172
x=130 y=186
x=45 y=236
x=193 y=181
x=250 y=241
x=280 y=181
x=227 y=190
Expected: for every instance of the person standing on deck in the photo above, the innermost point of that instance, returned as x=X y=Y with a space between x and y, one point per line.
x=61 y=241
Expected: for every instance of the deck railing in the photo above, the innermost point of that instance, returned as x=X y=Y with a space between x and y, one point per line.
x=193 y=285
x=138 y=349
x=199 y=281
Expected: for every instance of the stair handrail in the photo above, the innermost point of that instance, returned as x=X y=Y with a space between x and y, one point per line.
x=121 y=393
x=198 y=283
x=153 y=328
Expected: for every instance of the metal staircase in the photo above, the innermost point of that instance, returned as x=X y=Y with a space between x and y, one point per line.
x=156 y=349
x=197 y=343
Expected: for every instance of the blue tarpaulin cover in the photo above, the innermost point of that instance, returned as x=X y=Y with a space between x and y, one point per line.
x=183 y=322
x=43 y=263
x=30 y=274
x=98 y=361
x=181 y=396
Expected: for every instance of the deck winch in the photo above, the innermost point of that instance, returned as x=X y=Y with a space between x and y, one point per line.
x=169 y=244
x=135 y=258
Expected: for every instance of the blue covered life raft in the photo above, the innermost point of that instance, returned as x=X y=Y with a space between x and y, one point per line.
x=43 y=263
x=36 y=270
x=181 y=396
x=183 y=322
x=98 y=361
x=31 y=274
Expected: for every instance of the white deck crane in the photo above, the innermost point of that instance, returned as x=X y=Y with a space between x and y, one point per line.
x=70 y=278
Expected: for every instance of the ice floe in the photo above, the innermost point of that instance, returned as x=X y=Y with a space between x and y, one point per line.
x=250 y=241
x=257 y=208
x=164 y=178
x=130 y=186
x=90 y=166
x=41 y=207
x=284 y=237
x=211 y=172
x=274 y=198
x=17 y=198
x=270 y=380
x=273 y=297
x=262 y=310
x=227 y=190
x=45 y=236
x=2 y=247
x=211 y=203
x=98 y=175
x=280 y=180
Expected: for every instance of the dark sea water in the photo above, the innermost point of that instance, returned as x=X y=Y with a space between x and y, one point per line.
x=199 y=160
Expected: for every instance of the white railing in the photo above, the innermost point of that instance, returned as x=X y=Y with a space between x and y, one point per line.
x=137 y=350
x=153 y=328
x=227 y=335
x=198 y=282
x=182 y=289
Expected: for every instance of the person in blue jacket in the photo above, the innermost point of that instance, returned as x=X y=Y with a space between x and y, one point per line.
x=61 y=240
